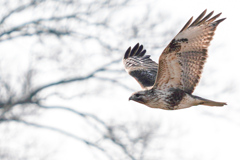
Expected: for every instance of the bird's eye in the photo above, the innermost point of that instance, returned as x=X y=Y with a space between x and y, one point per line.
x=137 y=95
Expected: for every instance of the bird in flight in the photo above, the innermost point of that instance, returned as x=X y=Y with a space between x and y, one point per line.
x=170 y=83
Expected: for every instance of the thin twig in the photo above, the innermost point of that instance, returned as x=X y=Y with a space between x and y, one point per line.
x=103 y=68
x=75 y=112
x=110 y=135
x=16 y=10
x=59 y=131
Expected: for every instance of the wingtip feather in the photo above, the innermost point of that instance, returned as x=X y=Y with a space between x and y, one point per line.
x=199 y=18
x=126 y=55
x=219 y=21
x=136 y=51
x=213 y=18
x=139 y=50
x=142 y=53
x=205 y=18
x=186 y=25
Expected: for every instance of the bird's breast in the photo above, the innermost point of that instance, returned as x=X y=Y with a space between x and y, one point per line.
x=170 y=99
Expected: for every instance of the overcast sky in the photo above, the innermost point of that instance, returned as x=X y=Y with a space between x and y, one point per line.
x=200 y=132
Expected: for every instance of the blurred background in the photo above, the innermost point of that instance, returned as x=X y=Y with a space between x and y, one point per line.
x=64 y=91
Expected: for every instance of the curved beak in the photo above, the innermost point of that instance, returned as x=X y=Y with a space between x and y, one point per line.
x=130 y=98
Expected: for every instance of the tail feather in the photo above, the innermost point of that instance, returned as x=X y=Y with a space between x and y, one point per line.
x=206 y=102
x=213 y=103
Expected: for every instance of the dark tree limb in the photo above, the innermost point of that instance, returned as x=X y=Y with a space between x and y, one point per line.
x=59 y=131
x=29 y=98
x=110 y=135
x=19 y=9
x=90 y=75
x=84 y=115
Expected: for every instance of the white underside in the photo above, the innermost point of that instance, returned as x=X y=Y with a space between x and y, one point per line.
x=186 y=102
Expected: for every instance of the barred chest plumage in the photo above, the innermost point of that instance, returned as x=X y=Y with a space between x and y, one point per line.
x=169 y=99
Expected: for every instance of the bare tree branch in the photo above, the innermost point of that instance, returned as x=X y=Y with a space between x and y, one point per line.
x=38 y=28
x=118 y=143
x=110 y=134
x=91 y=75
x=84 y=115
x=19 y=9
x=58 y=131
x=115 y=81
x=29 y=98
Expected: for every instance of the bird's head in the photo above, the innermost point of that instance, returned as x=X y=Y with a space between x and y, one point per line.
x=140 y=97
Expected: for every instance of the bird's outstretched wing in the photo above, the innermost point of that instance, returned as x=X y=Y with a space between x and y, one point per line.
x=140 y=66
x=182 y=61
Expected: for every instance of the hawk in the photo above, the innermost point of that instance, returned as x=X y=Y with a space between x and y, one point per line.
x=170 y=83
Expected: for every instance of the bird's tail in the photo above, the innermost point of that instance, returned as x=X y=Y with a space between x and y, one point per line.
x=206 y=102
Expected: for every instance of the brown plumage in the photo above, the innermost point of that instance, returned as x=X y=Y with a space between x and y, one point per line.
x=169 y=84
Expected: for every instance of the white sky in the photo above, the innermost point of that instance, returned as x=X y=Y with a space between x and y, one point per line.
x=200 y=132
